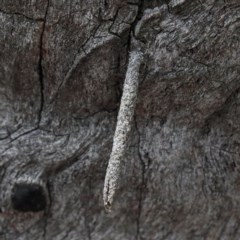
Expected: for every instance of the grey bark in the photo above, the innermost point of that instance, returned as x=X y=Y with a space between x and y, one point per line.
x=62 y=68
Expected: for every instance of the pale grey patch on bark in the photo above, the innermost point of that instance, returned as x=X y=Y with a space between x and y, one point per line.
x=123 y=128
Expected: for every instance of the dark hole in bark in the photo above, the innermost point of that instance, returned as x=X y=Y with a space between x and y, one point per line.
x=28 y=197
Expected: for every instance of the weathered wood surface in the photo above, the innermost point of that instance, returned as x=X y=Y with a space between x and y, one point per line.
x=62 y=66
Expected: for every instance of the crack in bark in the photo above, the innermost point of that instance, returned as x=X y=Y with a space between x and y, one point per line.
x=47 y=212
x=40 y=65
x=22 y=15
x=131 y=34
x=24 y=134
x=143 y=182
x=40 y=73
x=113 y=22
x=138 y=17
x=42 y=129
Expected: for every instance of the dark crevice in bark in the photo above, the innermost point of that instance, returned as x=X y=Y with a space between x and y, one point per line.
x=139 y=15
x=24 y=134
x=22 y=15
x=133 y=25
x=57 y=135
x=131 y=34
x=113 y=21
x=142 y=185
x=40 y=77
x=47 y=212
x=45 y=223
x=40 y=65
x=9 y=134
x=4 y=138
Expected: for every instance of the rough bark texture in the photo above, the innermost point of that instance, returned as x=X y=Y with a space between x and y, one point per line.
x=62 y=66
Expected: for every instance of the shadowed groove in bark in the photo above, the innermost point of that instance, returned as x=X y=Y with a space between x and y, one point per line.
x=47 y=212
x=143 y=181
x=40 y=64
x=133 y=25
x=22 y=15
x=40 y=71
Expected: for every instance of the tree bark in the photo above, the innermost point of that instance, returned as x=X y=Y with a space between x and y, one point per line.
x=62 y=68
